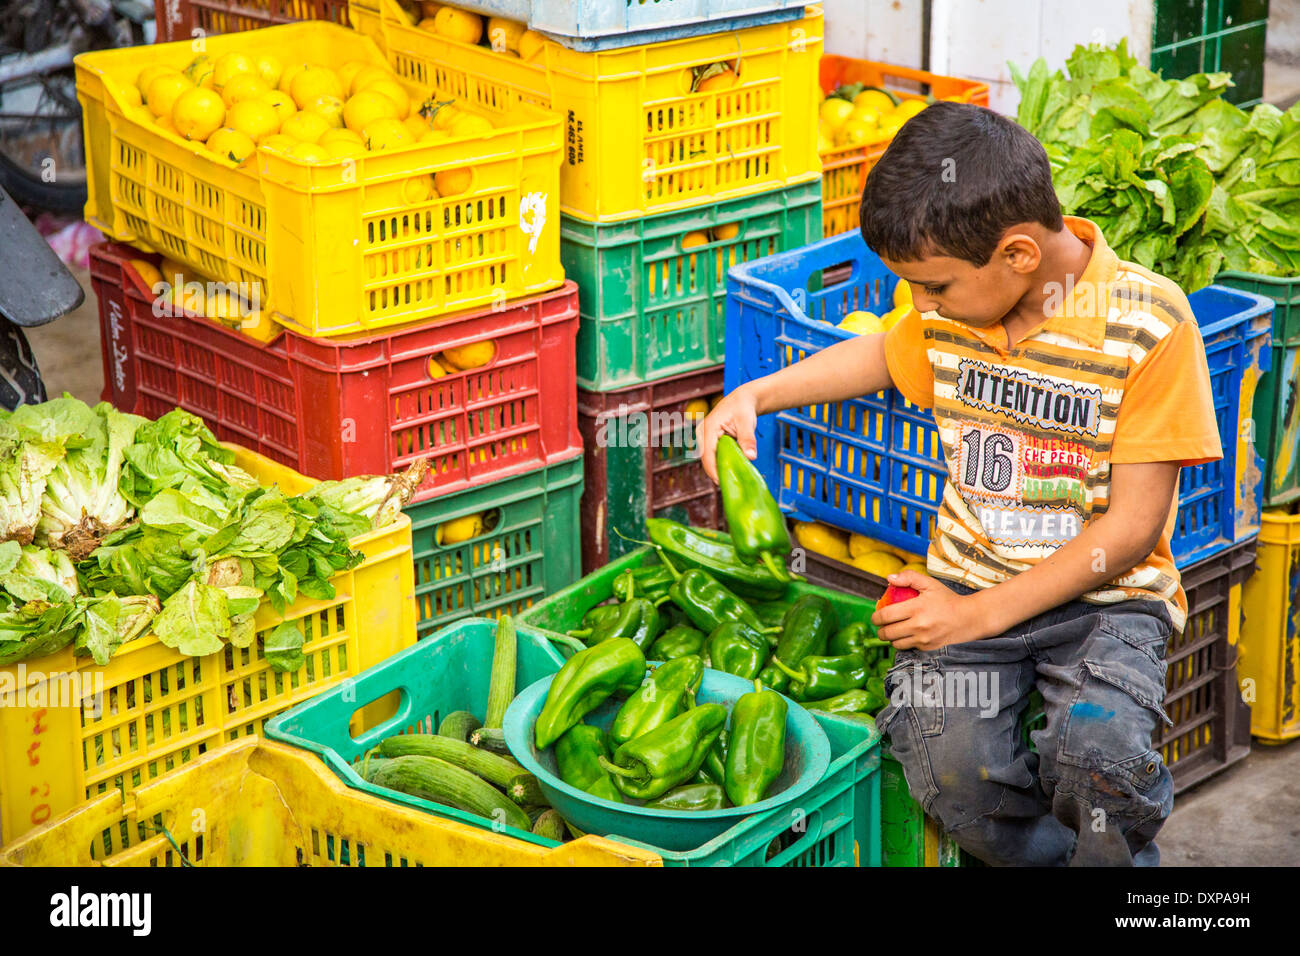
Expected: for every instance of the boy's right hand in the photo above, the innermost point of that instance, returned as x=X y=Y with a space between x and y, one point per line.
x=737 y=416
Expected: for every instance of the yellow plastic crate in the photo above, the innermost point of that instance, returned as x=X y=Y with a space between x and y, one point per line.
x=637 y=141
x=259 y=803
x=338 y=247
x=1270 y=632
x=70 y=729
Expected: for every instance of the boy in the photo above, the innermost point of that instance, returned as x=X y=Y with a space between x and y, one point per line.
x=1068 y=388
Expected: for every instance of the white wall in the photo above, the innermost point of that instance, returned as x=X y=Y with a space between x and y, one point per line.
x=975 y=38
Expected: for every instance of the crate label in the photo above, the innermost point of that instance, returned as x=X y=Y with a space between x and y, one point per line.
x=573 y=149
x=118 y=351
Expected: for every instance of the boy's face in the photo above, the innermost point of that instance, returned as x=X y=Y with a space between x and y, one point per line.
x=980 y=296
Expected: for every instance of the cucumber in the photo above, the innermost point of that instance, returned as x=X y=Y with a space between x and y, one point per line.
x=550 y=825
x=493 y=768
x=490 y=738
x=441 y=782
x=459 y=724
x=501 y=686
x=525 y=790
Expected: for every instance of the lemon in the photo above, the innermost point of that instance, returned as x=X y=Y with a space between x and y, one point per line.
x=343 y=149
x=453 y=182
x=310 y=153
x=132 y=96
x=312 y=82
x=305 y=127
x=393 y=90
x=909 y=108
x=444 y=116
x=459 y=25
x=365 y=76
x=889 y=126
x=875 y=99
x=200 y=69
x=172 y=271
x=198 y=113
x=866 y=114
x=880 y=563
x=417 y=125
x=224 y=306
x=429 y=25
x=348 y=71
x=860 y=544
x=430 y=8
x=459 y=529
x=243 y=86
x=288 y=75
x=722 y=80
x=164 y=91
x=279 y=143
x=282 y=103
x=270 y=69
x=696 y=408
x=823 y=539
x=728 y=230
x=228 y=66
x=147 y=271
x=824 y=143
x=474 y=355
x=386 y=133
x=713 y=401
x=434 y=135
x=835 y=111
x=855 y=133
x=330 y=107
x=366 y=106
x=469 y=124
x=165 y=123
x=693 y=240
x=148 y=75
x=530 y=43
x=862 y=323
x=917 y=566
x=256 y=119
x=235 y=145
x=417 y=190
x=504 y=34
x=894 y=316
x=902 y=293
x=341 y=136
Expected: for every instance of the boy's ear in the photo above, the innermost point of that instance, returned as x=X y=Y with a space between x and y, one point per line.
x=1020 y=252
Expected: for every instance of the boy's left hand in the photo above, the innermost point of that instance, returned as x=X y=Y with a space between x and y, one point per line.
x=934 y=618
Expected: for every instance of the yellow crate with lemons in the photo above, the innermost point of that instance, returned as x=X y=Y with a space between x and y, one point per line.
x=293 y=165
x=846 y=561
x=648 y=129
x=863 y=104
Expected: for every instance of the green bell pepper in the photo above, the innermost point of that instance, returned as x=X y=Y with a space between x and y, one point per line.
x=855 y=638
x=715 y=764
x=670 y=690
x=692 y=796
x=667 y=756
x=771 y=613
x=856 y=701
x=637 y=620
x=736 y=649
x=681 y=640
x=708 y=603
x=756 y=748
x=819 y=677
x=577 y=757
x=713 y=552
x=773 y=677
x=807 y=629
x=599 y=613
x=757 y=526
x=651 y=583
x=610 y=668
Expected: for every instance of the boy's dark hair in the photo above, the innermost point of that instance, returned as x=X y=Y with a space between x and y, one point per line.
x=954 y=179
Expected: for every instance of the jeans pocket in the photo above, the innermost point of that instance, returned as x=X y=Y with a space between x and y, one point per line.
x=1145 y=632
x=1120 y=696
x=915 y=687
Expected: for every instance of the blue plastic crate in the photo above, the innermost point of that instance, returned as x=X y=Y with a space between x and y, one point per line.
x=873 y=465
x=450 y=671
x=608 y=24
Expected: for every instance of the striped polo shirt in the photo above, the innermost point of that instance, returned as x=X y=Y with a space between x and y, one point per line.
x=1116 y=375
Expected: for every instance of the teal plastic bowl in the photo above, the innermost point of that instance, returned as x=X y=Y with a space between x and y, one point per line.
x=807 y=756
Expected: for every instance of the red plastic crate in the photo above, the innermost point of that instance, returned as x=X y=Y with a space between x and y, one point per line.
x=179 y=19
x=333 y=408
x=641 y=469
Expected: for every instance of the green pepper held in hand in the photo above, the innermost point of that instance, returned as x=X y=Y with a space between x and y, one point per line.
x=713 y=551
x=610 y=668
x=681 y=640
x=707 y=603
x=819 y=677
x=577 y=757
x=659 y=699
x=669 y=755
x=807 y=628
x=756 y=523
x=637 y=620
x=737 y=649
x=855 y=638
x=692 y=796
x=651 y=583
x=756 y=748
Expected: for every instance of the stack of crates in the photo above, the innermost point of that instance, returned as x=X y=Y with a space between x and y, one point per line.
x=366 y=279
x=689 y=147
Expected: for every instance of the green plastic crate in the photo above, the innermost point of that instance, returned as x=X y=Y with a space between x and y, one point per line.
x=903 y=827
x=650 y=309
x=532 y=550
x=1195 y=36
x=451 y=671
x=563 y=611
x=1277 y=405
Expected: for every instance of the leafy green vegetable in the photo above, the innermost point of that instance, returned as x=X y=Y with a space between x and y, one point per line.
x=283 y=647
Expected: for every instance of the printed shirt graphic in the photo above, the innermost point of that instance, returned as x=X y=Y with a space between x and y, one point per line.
x=1117 y=375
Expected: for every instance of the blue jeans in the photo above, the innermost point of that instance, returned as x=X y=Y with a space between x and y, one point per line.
x=1095 y=793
